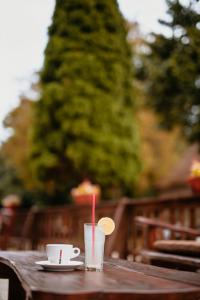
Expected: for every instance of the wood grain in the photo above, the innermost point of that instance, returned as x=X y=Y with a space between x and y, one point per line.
x=190 y=248
x=119 y=279
x=171 y=260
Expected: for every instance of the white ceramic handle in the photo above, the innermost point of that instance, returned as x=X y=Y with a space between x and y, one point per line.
x=77 y=252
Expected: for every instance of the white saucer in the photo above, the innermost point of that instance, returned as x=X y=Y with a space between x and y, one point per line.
x=46 y=265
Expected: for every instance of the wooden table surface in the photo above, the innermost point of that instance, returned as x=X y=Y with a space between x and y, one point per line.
x=119 y=279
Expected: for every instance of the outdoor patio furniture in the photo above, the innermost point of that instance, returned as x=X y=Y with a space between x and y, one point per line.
x=128 y=240
x=155 y=229
x=179 y=254
x=182 y=247
x=182 y=255
x=119 y=280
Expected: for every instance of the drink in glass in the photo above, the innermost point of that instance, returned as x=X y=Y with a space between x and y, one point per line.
x=94 y=239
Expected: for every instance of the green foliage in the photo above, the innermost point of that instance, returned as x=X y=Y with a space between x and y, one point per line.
x=84 y=123
x=19 y=120
x=173 y=69
x=9 y=180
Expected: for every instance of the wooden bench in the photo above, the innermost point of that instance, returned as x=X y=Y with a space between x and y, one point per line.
x=188 y=248
x=181 y=255
x=178 y=254
x=153 y=230
x=130 y=237
x=172 y=261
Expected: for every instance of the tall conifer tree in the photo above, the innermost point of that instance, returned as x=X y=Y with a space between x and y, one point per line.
x=84 y=123
x=173 y=71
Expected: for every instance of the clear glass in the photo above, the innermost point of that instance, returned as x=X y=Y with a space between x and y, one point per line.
x=94 y=258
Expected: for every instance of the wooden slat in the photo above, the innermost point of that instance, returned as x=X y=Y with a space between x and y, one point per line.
x=160 y=224
x=171 y=260
x=191 y=248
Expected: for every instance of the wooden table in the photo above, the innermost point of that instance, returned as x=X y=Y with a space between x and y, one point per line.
x=119 y=280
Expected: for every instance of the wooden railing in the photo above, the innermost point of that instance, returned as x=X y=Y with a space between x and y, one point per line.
x=61 y=224
x=13 y=224
x=65 y=224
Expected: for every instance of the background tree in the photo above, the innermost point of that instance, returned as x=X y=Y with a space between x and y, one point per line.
x=15 y=172
x=159 y=148
x=9 y=179
x=84 y=122
x=160 y=151
x=17 y=146
x=173 y=69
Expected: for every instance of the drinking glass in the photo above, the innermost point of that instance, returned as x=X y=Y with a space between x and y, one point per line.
x=94 y=256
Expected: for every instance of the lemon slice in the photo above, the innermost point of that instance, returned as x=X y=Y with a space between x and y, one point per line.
x=107 y=225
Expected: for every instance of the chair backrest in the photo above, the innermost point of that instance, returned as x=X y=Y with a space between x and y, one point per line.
x=153 y=230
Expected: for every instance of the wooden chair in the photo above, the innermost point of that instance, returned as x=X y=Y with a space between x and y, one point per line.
x=182 y=253
x=127 y=240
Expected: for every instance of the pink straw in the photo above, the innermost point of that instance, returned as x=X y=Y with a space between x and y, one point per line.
x=93 y=222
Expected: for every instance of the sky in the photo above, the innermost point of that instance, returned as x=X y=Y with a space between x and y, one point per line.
x=23 y=38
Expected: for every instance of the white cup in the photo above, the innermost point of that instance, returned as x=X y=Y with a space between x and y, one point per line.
x=61 y=253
